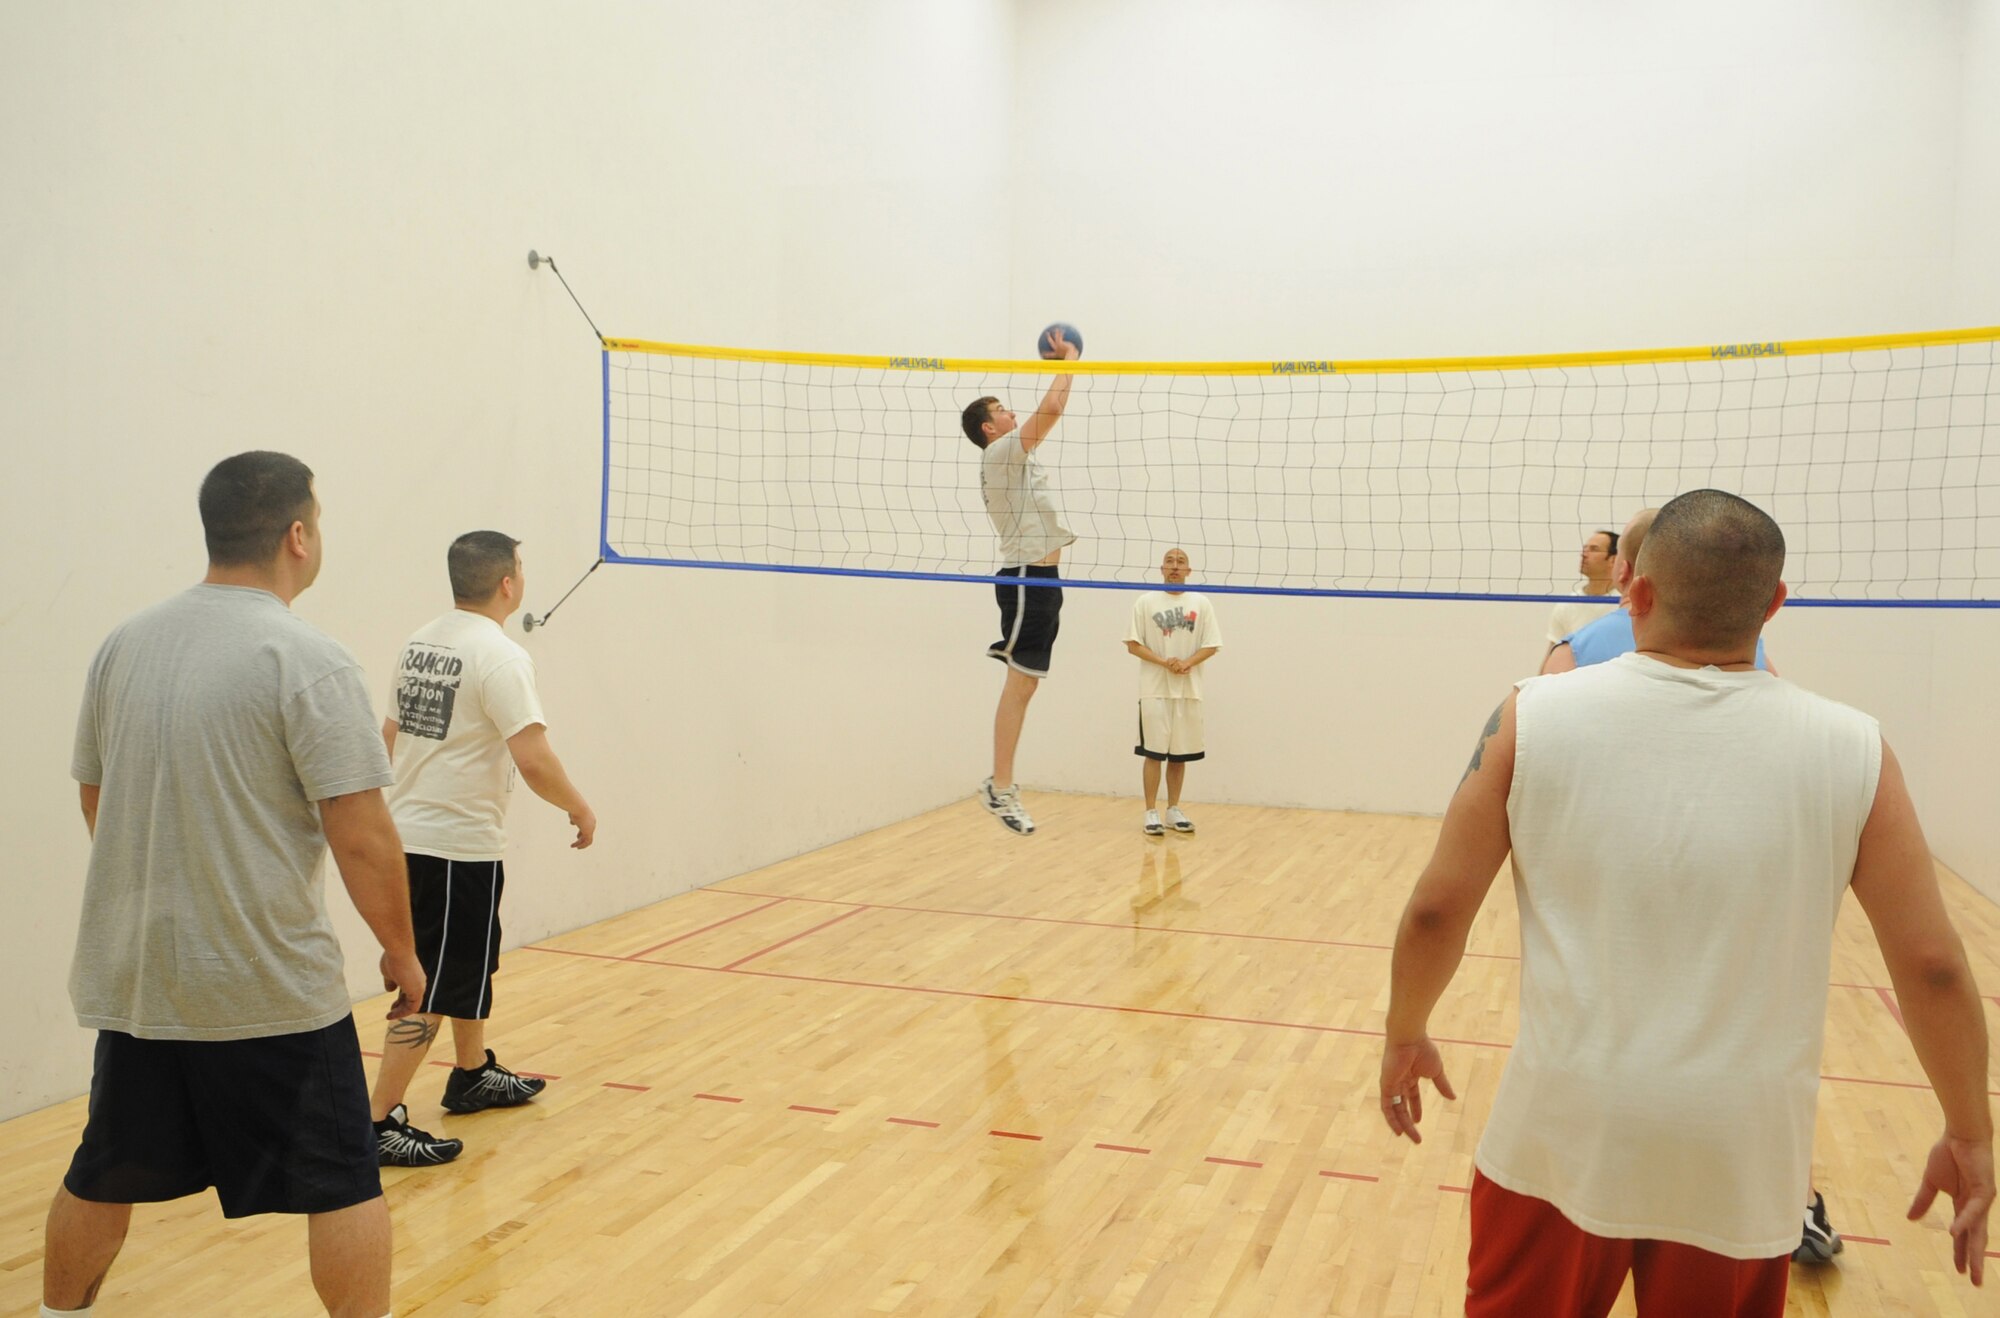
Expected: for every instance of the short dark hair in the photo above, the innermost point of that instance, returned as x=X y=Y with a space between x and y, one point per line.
x=1612 y=548
x=977 y=413
x=249 y=503
x=1718 y=560
x=477 y=561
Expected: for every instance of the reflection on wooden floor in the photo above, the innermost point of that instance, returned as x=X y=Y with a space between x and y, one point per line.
x=941 y=1070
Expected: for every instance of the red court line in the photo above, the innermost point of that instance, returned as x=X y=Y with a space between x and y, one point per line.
x=1352 y=1176
x=911 y=1121
x=1103 y=924
x=705 y=928
x=1456 y=1189
x=1889 y=1001
x=1863 y=1240
x=719 y=1098
x=793 y=939
x=637 y=1089
x=1008 y=997
x=1122 y=1148
x=1233 y=1162
x=823 y=1111
x=1100 y=1006
x=1012 y=1135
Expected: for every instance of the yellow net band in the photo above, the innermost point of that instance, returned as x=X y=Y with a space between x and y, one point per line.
x=1307 y=366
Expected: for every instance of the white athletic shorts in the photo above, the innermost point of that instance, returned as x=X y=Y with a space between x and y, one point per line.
x=1170 y=729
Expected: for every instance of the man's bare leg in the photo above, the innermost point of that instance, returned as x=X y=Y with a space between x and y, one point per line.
x=350 y=1259
x=1007 y=720
x=404 y=1046
x=1151 y=776
x=468 y=1040
x=1176 y=775
x=78 y=1246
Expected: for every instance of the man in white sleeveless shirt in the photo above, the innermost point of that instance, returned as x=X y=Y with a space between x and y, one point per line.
x=1656 y=1113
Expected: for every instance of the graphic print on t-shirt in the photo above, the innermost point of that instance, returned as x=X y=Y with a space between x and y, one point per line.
x=1177 y=618
x=427 y=690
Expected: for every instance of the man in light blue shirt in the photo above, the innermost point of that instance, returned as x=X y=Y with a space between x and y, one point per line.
x=1610 y=636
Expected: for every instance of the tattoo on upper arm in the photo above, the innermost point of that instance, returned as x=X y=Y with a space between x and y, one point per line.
x=413 y=1032
x=1479 y=751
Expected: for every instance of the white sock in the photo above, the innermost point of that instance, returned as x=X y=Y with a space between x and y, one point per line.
x=47 y=1312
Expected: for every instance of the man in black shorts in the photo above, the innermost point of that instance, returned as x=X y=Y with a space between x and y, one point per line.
x=223 y=746
x=466 y=716
x=1032 y=536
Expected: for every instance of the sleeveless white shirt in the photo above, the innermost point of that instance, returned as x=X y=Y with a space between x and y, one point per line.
x=1674 y=960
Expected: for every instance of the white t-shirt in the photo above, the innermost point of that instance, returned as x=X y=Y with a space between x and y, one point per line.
x=1567 y=618
x=1020 y=502
x=463 y=687
x=1173 y=626
x=1674 y=968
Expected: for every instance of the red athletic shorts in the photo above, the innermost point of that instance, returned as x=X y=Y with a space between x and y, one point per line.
x=1528 y=1259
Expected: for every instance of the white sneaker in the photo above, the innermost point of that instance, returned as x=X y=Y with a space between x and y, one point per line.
x=1153 y=825
x=1177 y=821
x=1006 y=807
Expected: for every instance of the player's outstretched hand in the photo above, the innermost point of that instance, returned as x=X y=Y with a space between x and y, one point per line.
x=1962 y=1170
x=586 y=827
x=1403 y=1065
x=1063 y=347
x=405 y=975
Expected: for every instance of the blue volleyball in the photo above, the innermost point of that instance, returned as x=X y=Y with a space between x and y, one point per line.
x=1070 y=335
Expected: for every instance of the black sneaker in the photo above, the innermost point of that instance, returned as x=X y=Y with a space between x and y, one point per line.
x=1820 y=1242
x=491 y=1085
x=399 y=1144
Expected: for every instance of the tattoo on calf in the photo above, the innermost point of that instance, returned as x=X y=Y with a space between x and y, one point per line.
x=413 y=1032
x=1479 y=751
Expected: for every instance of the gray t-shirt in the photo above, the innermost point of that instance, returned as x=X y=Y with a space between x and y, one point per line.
x=1020 y=503
x=213 y=722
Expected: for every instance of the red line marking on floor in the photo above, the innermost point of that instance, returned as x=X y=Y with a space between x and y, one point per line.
x=1106 y=924
x=911 y=1121
x=1101 y=1006
x=823 y=1111
x=1123 y=1148
x=705 y=928
x=1009 y=997
x=1456 y=1189
x=1352 y=1176
x=793 y=939
x=1863 y=1240
x=1012 y=1135
x=637 y=1089
x=719 y=1098
x=1889 y=1001
x=1233 y=1162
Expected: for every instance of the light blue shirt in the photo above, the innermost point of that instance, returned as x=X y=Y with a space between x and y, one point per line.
x=1610 y=636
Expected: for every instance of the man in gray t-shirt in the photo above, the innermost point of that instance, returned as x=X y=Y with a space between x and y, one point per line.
x=1023 y=511
x=224 y=744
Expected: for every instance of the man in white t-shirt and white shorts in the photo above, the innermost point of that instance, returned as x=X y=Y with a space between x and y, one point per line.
x=1173 y=633
x=466 y=718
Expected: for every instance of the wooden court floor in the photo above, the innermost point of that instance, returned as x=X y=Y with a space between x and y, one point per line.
x=940 y=1070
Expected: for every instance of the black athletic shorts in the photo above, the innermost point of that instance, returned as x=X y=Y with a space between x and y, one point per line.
x=1029 y=619
x=277 y=1125
x=455 y=906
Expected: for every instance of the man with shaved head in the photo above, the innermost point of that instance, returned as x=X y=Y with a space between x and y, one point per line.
x=1656 y=1112
x=1173 y=633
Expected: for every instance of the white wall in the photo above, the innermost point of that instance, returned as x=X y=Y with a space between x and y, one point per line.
x=1313 y=180
x=245 y=224
x=305 y=227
